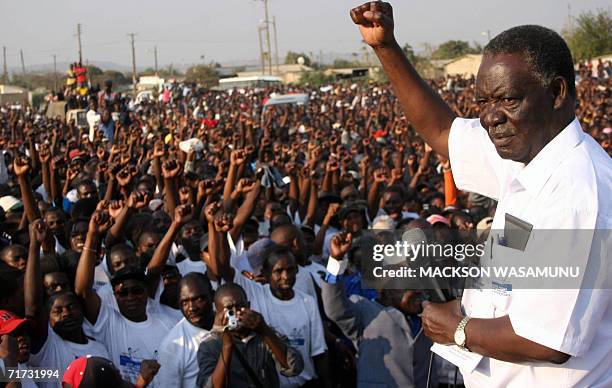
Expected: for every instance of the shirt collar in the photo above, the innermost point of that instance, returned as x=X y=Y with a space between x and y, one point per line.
x=536 y=173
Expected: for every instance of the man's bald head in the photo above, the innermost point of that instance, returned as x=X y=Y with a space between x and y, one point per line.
x=291 y=237
x=230 y=291
x=198 y=282
x=285 y=234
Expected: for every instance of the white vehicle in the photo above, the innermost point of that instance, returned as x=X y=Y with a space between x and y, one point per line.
x=257 y=81
x=145 y=95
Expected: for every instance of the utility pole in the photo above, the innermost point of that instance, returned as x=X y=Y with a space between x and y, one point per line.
x=55 y=72
x=131 y=35
x=261 y=53
x=156 y=70
x=275 y=44
x=22 y=62
x=79 y=42
x=5 y=78
x=267 y=21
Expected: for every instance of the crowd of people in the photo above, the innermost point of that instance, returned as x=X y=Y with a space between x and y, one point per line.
x=187 y=240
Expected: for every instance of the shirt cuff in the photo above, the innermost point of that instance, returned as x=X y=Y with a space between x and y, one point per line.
x=335 y=270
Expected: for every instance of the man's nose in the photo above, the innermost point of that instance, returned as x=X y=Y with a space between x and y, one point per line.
x=491 y=116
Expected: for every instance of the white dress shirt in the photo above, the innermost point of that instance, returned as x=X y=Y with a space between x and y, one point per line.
x=566 y=186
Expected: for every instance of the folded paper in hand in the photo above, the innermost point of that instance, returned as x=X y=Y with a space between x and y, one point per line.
x=466 y=361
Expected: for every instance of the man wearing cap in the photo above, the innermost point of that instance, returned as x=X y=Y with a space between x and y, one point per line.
x=131 y=335
x=99 y=372
x=14 y=344
x=527 y=150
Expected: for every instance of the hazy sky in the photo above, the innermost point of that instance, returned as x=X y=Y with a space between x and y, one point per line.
x=226 y=30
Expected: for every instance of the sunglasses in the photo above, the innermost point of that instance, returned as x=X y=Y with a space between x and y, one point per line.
x=135 y=291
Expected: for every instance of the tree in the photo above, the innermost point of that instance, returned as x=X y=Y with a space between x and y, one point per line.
x=202 y=74
x=592 y=35
x=409 y=52
x=93 y=70
x=292 y=58
x=452 y=49
x=342 y=63
x=315 y=78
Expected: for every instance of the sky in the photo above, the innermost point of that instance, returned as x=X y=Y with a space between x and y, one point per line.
x=225 y=31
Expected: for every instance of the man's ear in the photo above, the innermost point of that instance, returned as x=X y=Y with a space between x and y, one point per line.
x=560 y=92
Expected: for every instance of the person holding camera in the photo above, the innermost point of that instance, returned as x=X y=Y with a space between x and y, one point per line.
x=242 y=350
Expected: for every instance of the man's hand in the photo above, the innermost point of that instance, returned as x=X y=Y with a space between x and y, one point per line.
x=332 y=210
x=100 y=222
x=211 y=210
x=380 y=176
x=183 y=213
x=340 y=245
x=38 y=231
x=21 y=166
x=375 y=20
x=237 y=157
x=138 y=200
x=440 y=320
x=171 y=169
x=124 y=177
x=44 y=153
x=245 y=185
x=114 y=208
x=148 y=370
x=223 y=222
x=251 y=320
x=158 y=150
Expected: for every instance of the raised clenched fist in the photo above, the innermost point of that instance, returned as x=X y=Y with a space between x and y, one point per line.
x=375 y=21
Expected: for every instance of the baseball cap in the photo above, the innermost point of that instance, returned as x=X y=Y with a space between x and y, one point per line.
x=76 y=154
x=9 y=322
x=92 y=372
x=128 y=273
x=435 y=218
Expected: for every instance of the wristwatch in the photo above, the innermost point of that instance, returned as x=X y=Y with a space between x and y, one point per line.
x=460 y=333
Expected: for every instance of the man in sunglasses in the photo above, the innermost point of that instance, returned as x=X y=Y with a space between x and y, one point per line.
x=131 y=335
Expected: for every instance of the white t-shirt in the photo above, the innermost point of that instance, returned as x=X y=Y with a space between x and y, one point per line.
x=100 y=276
x=178 y=356
x=316 y=270
x=298 y=319
x=565 y=187
x=188 y=265
x=128 y=342
x=57 y=353
x=166 y=313
x=304 y=282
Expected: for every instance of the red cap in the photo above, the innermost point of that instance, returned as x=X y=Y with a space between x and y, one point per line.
x=74 y=373
x=9 y=322
x=435 y=218
x=75 y=153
